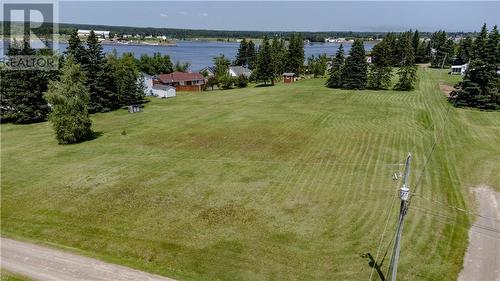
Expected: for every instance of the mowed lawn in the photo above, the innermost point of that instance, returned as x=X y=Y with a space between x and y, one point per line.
x=291 y=182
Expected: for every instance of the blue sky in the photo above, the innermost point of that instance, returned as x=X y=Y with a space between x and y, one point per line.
x=286 y=15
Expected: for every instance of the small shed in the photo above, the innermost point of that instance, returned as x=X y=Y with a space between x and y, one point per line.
x=163 y=91
x=288 y=77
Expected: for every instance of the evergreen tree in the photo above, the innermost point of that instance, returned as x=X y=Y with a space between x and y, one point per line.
x=415 y=41
x=317 y=65
x=442 y=50
x=407 y=73
x=98 y=80
x=295 y=56
x=125 y=80
x=422 y=56
x=465 y=50
x=493 y=51
x=336 y=70
x=481 y=84
x=391 y=42
x=481 y=44
x=21 y=91
x=264 y=68
x=354 y=74
x=242 y=81
x=380 y=71
x=241 y=56
x=69 y=99
x=76 y=49
x=251 y=56
x=278 y=56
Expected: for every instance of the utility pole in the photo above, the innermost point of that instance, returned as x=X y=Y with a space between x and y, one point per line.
x=404 y=195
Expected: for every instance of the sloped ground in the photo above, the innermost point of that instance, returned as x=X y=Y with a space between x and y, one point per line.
x=291 y=182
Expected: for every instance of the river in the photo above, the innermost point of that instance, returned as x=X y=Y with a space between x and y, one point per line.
x=201 y=53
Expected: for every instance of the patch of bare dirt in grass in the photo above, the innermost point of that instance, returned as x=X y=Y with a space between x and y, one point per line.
x=446 y=89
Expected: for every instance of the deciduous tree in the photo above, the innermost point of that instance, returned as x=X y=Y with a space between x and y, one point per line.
x=69 y=99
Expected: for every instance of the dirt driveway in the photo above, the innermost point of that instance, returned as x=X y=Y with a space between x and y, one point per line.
x=47 y=264
x=482 y=259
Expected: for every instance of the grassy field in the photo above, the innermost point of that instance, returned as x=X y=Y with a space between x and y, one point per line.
x=7 y=276
x=291 y=182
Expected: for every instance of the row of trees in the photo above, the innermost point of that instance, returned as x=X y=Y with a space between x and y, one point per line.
x=87 y=82
x=481 y=84
x=353 y=72
x=112 y=81
x=271 y=60
x=21 y=91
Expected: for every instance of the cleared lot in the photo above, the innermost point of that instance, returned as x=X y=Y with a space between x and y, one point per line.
x=291 y=182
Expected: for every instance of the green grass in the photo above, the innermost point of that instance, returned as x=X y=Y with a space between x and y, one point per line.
x=291 y=182
x=8 y=276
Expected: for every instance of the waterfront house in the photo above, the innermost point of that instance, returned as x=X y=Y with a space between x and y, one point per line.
x=147 y=82
x=237 y=71
x=163 y=91
x=98 y=33
x=208 y=71
x=182 y=81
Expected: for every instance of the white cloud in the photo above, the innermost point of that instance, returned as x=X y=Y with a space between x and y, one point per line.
x=163 y=15
x=182 y=13
x=204 y=14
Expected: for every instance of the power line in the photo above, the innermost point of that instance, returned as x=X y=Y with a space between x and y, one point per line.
x=431 y=151
x=383 y=235
x=404 y=195
x=448 y=219
x=456 y=208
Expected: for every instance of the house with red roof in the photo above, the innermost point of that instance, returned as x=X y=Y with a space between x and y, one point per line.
x=182 y=81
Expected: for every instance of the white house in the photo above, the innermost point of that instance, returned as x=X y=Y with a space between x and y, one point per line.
x=209 y=71
x=99 y=33
x=459 y=69
x=147 y=82
x=237 y=71
x=163 y=91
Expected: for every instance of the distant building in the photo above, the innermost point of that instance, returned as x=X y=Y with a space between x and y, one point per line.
x=237 y=71
x=459 y=69
x=288 y=77
x=209 y=71
x=182 y=81
x=98 y=33
x=335 y=40
x=163 y=91
x=147 y=81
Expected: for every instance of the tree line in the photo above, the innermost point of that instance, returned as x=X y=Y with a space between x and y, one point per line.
x=354 y=72
x=480 y=86
x=86 y=82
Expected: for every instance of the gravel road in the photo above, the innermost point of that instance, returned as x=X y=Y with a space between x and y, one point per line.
x=482 y=260
x=47 y=264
